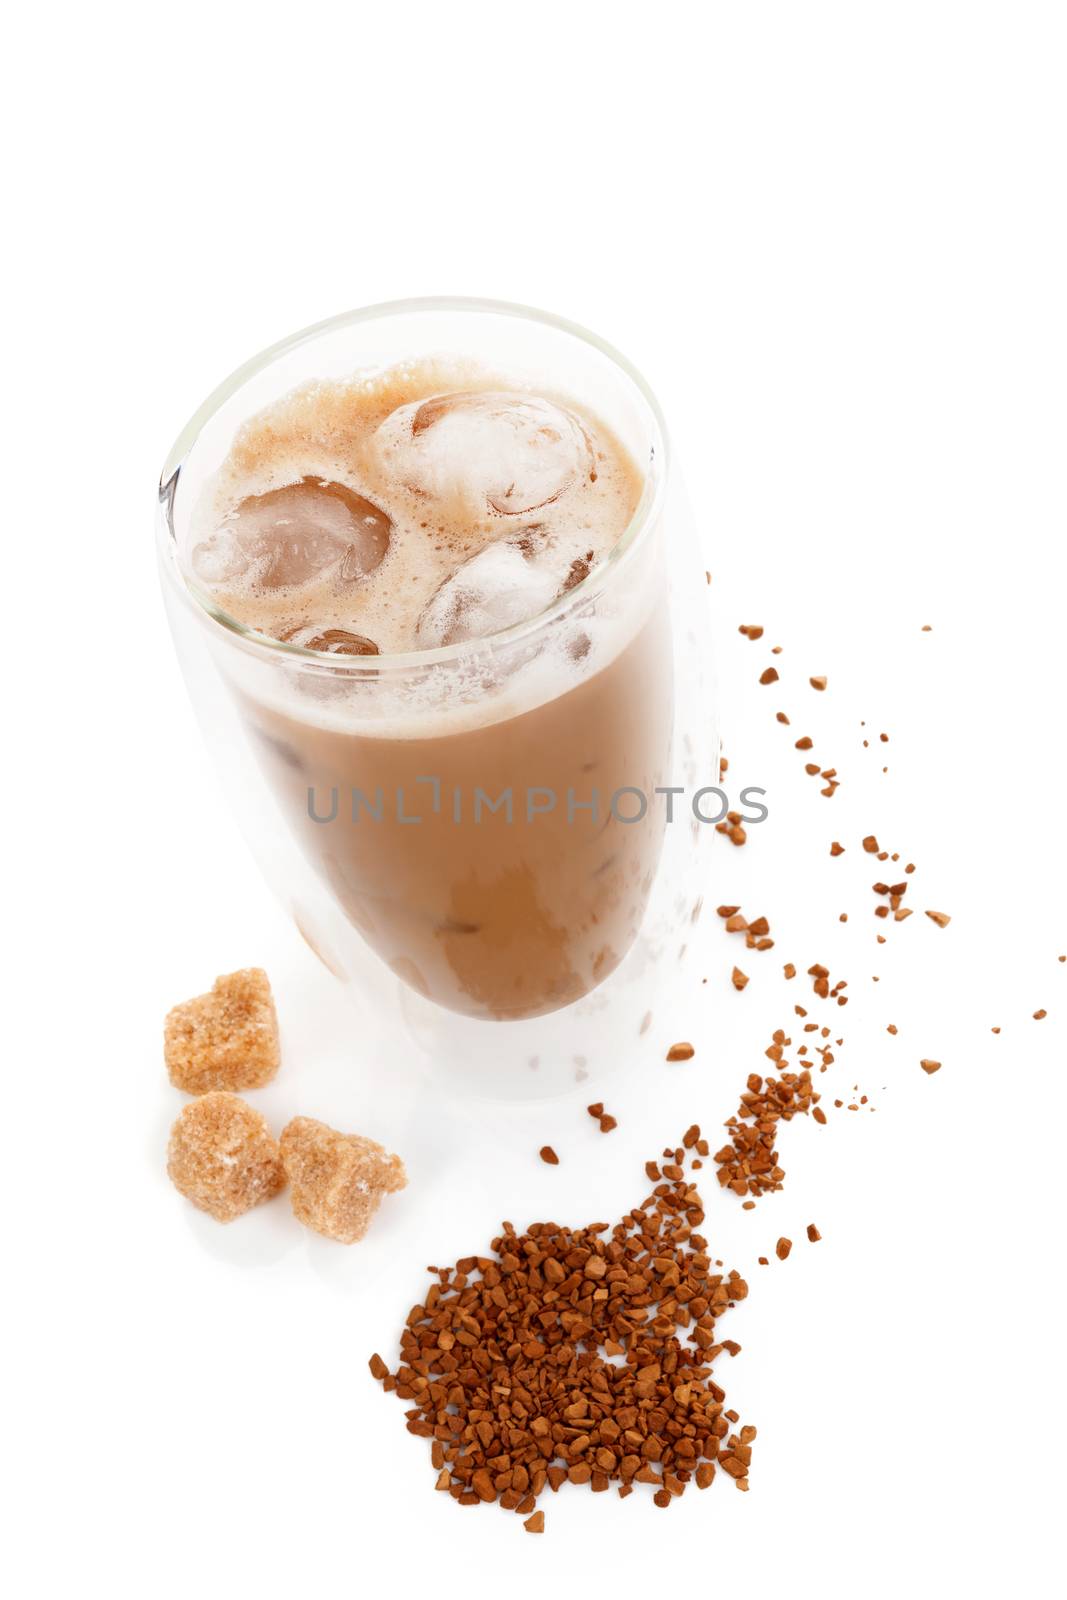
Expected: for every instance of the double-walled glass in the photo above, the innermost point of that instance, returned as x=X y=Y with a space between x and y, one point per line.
x=480 y=834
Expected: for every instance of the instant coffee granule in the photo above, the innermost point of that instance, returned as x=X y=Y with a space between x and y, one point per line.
x=577 y=1355
x=732 y=827
x=756 y=933
x=749 y=1165
x=682 y=1051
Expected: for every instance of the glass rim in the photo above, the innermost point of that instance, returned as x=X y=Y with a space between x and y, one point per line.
x=644 y=516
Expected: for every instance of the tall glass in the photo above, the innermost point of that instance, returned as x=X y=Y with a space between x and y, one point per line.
x=479 y=839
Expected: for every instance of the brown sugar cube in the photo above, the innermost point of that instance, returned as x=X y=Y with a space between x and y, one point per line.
x=338 y=1179
x=223 y=1157
x=227 y=1039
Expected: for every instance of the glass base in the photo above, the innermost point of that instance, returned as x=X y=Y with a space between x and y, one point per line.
x=581 y=1047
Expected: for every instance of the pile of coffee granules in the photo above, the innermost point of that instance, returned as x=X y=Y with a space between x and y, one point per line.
x=578 y=1355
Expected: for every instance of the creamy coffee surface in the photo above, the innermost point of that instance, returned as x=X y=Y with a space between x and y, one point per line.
x=419 y=507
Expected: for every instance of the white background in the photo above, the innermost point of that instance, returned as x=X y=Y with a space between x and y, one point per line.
x=833 y=237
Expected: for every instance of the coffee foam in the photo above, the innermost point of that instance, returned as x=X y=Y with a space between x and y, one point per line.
x=331 y=431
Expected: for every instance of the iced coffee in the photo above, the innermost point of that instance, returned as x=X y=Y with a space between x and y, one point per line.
x=468 y=754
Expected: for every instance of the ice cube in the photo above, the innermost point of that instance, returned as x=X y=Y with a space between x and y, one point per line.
x=219 y=558
x=508 y=453
x=289 y=536
x=506 y=583
x=331 y=641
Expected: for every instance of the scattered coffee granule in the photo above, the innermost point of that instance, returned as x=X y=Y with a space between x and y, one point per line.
x=891 y=1028
x=804 y=744
x=756 y=933
x=837 y=849
x=738 y=978
x=769 y=675
x=789 y=970
x=223 y=1157
x=870 y=844
x=782 y=1248
x=818 y=683
x=681 y=1052
x=821 y=984
x=813 y=1233
x=930 y=1066
x=780 y=716
x=996 y=1030
x=337 y=1179
x=748 y=1165
x=732 y=827
x=940 y=917
x=536 y=1523
x=751 y=630
x=227 y=1039
x=559 y=1357
x=1039 y=1016
x=548 y=1155
x=893 y=894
